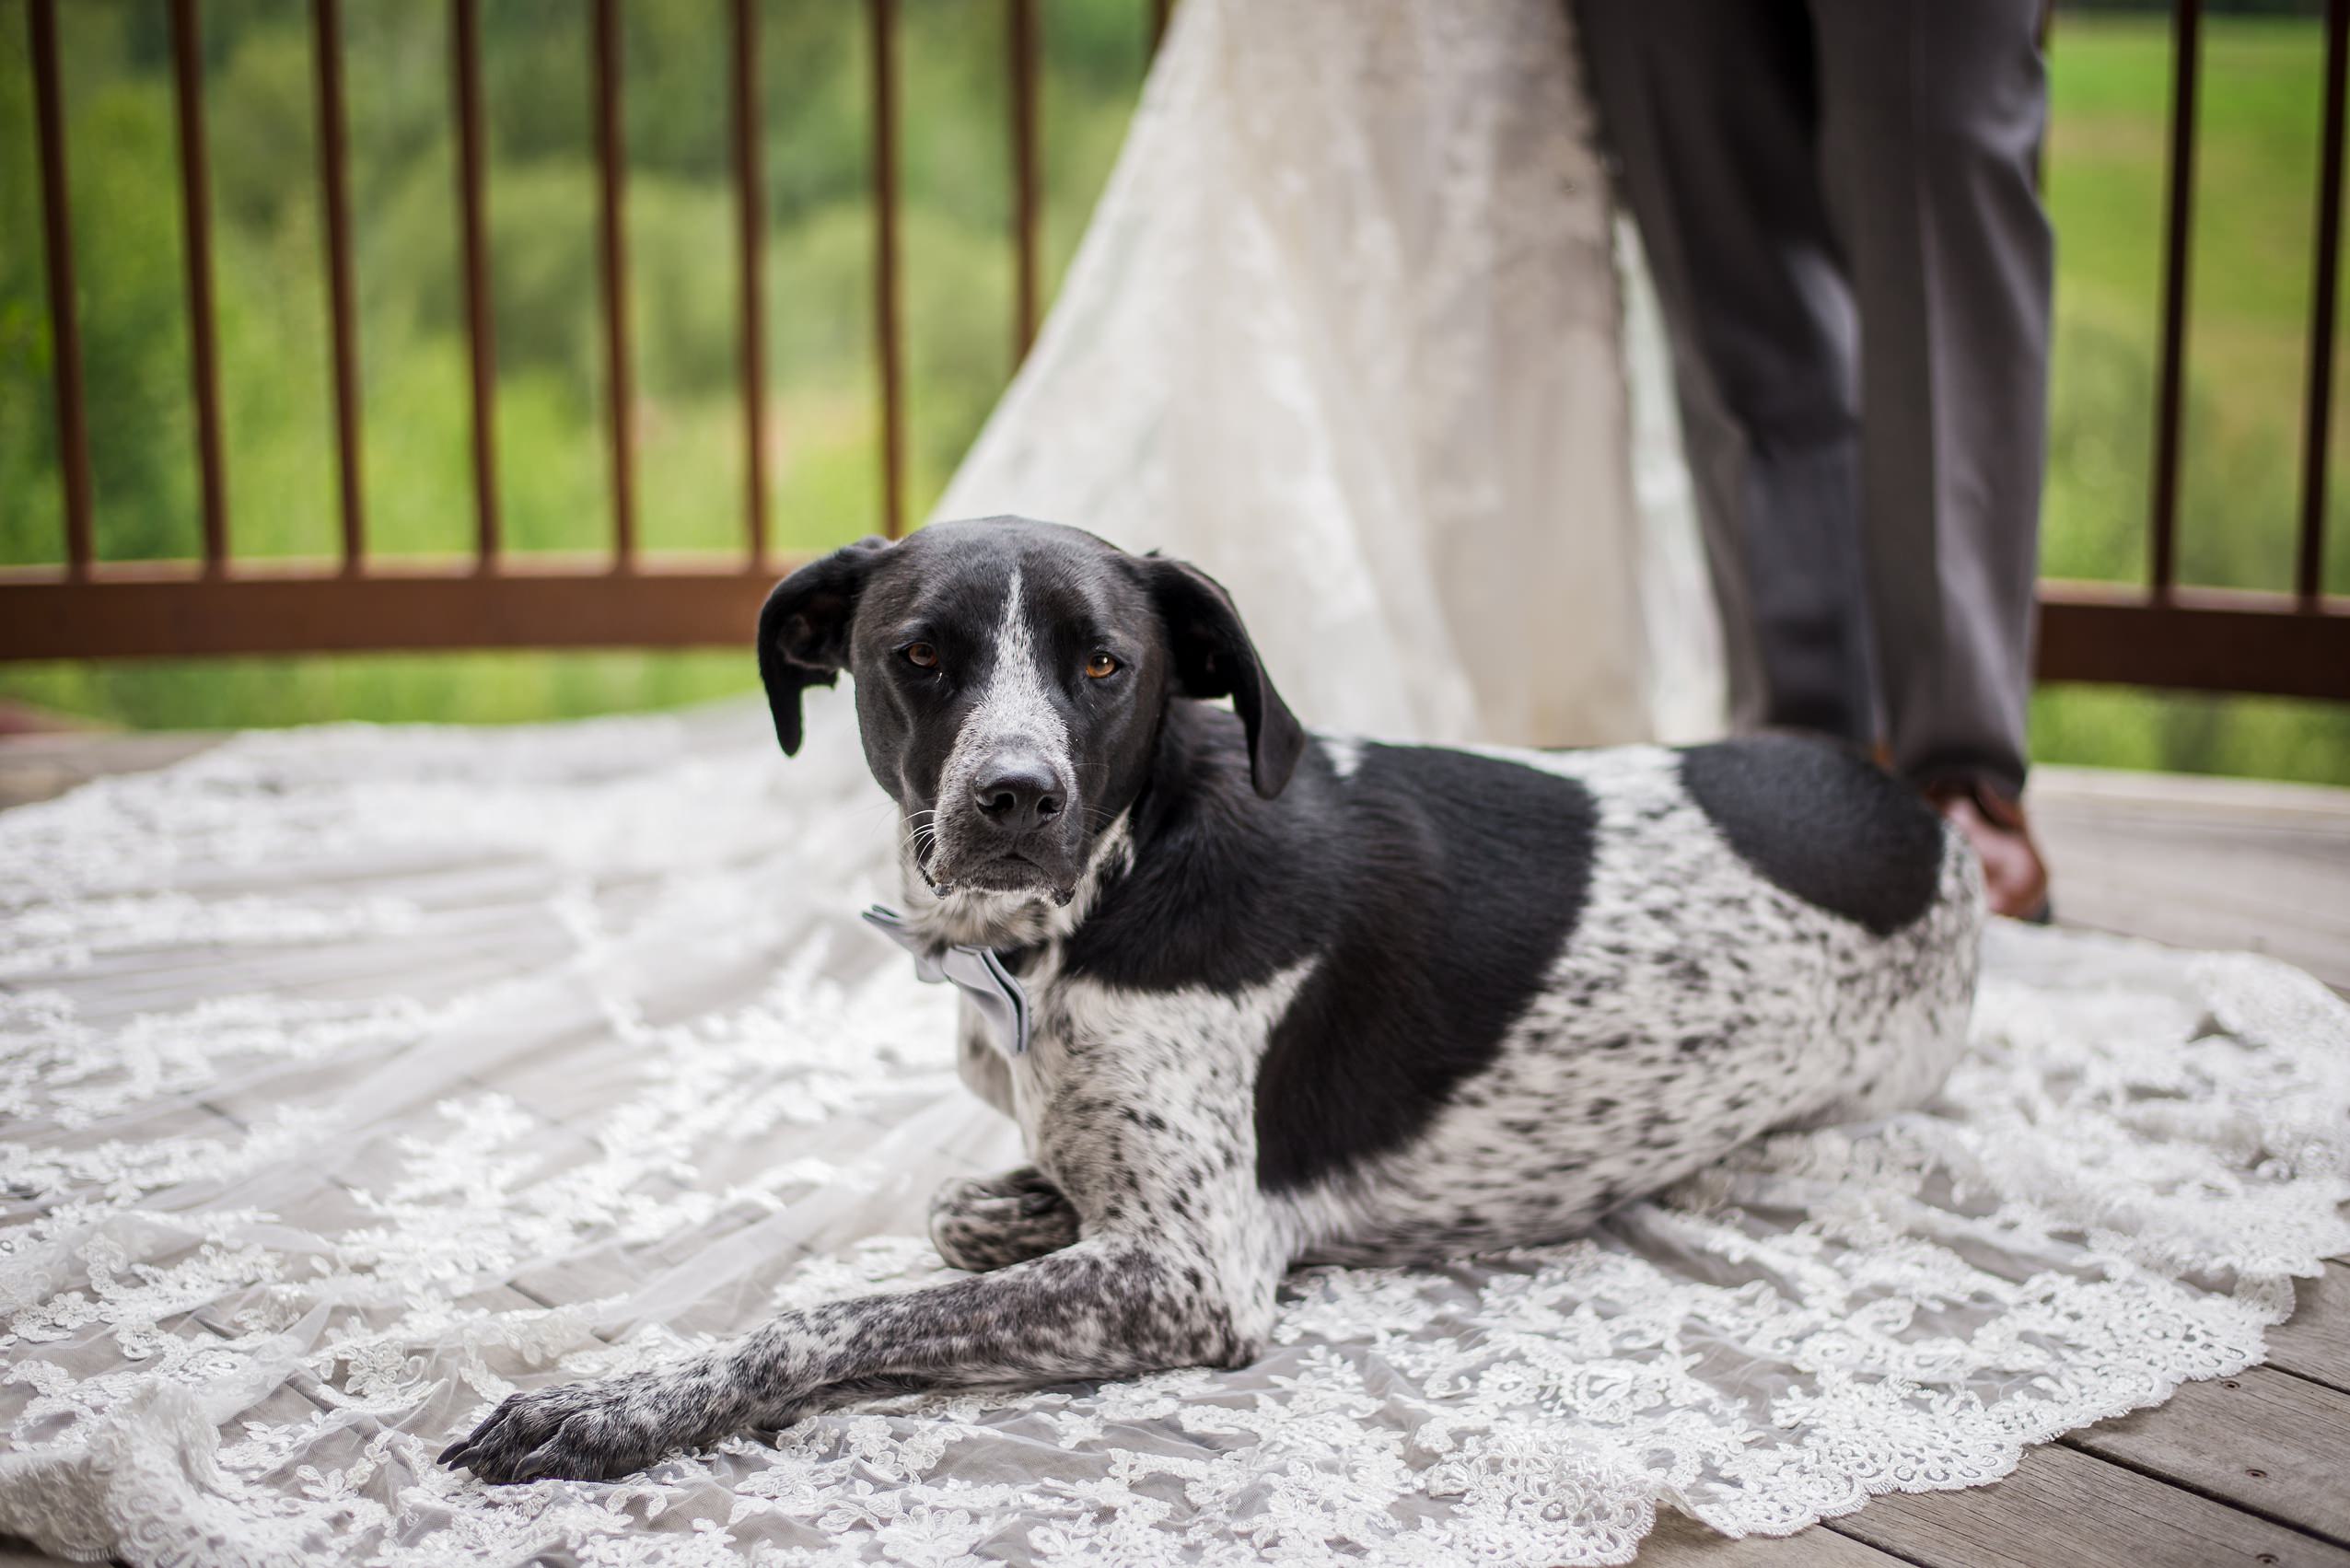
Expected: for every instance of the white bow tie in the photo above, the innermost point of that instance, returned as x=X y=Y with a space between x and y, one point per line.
x=977 y=973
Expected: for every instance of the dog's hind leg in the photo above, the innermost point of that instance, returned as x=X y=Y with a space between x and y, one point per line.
x=1001 y=1220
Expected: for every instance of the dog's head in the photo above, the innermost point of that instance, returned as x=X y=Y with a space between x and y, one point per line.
x=1011 y=678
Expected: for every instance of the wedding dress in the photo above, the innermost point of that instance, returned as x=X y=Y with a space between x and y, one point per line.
x=1346 y=329
x=352 y=1078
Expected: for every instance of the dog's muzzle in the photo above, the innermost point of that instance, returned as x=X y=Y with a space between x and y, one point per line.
x=1014 y=830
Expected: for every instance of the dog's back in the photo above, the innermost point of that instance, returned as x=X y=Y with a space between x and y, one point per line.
x=1554 y=981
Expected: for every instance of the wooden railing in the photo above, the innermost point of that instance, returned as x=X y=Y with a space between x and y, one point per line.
x=2293 y=642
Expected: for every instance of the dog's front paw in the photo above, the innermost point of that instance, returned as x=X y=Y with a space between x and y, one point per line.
x=587 y=1431
x=1007 y=1219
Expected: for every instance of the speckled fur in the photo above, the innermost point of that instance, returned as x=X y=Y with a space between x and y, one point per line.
x=1696 y=1007
x=1693 y=1004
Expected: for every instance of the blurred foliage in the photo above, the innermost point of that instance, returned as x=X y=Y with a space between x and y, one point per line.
x=2111 y=77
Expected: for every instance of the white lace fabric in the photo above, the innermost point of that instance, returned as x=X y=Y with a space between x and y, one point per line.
x=355 y=1078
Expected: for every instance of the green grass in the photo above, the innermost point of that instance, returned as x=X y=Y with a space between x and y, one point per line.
x=2251 y=267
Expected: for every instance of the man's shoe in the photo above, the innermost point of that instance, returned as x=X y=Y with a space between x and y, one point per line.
x=2014 y=879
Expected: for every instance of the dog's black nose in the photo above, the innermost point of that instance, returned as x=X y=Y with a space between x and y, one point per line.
x=1017 y=794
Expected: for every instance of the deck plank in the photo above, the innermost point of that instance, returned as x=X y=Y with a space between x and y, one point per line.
x=2139 y=792
x=1679 y=1541
x=42 y=766
x=2201 y=861
x=2063 y=1507
x=2265 y=1441
x=2316 y=1343
x=2270 y=875
x=2111 y=895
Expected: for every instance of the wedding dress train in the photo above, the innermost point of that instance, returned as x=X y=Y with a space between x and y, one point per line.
x=352 y=1078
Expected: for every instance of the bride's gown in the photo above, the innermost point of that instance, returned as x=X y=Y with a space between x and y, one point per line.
x=1346 y=329
x=353 y=1078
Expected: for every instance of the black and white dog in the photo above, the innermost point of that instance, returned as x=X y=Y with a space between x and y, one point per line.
x=1290 y=996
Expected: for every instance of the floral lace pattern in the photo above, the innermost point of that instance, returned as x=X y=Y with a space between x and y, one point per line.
x=521 y=1057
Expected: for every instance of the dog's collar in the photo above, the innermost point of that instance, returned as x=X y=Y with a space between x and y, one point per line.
x=977 y=973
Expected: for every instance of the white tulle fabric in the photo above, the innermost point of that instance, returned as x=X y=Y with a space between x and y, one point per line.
x=351 y=1079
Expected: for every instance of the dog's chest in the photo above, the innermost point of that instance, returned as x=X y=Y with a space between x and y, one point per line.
x=1115 y=1078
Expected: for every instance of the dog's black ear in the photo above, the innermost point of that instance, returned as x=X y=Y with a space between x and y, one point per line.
x=804 y=630
x=1213 y=657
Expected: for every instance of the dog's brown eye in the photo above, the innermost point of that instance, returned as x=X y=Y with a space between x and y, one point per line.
x=1101 y=665
x=922 y=655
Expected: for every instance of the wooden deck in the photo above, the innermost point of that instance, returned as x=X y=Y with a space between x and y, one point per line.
x=2252 y=1469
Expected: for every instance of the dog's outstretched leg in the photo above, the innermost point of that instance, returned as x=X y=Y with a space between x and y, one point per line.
x=1108 y=1306
x=1001 y=1220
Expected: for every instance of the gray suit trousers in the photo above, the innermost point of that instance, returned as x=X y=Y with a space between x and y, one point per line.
x=1837 y=202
